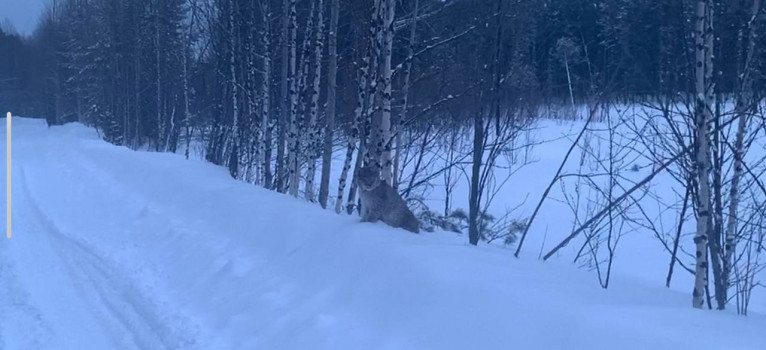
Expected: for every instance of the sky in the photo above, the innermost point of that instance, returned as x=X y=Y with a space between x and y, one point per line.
x=23 y=14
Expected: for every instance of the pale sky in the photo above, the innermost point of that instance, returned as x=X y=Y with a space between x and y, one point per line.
x=22 y=13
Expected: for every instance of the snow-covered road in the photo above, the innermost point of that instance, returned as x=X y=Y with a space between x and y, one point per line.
x=58 y=292
x=116 y=249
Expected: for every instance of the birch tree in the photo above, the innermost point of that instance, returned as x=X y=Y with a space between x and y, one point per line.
x=702 y=117
x=186 y=86
x=384 y=90
x=292 y=134
x=332 y=87
x=234 y=137
x=744 y=104
x=490 y=97
x=284 y=98
x=375 y=142
x=405 y=96
x=158 y=77
x=313 y=128
x=266 y=123
x=356 y=135
x=366 y=153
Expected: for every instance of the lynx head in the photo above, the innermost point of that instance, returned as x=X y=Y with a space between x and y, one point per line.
x=368 y=178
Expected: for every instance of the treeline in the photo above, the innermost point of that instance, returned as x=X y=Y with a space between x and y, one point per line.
x=17 y=85
x=143 y=70
x=266 y=83
x=271 y=87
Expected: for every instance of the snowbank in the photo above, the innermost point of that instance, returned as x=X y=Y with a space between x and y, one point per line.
x=220 y=264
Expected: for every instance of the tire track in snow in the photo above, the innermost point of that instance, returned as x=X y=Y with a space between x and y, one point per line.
x=21 y=324
x=131 y=318
x=37 y=283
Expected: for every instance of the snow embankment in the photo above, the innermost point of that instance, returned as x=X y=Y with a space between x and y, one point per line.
x=202 y=260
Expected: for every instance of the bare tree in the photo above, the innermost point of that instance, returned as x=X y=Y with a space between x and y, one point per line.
x=332 y=86
x=293 y=167
x=405 y=97
x=744 y=105
x=266 y=122
x=314 y=132
x=284 y=118
x=703 y=117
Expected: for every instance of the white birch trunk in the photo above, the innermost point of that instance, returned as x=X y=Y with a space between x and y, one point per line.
x=302 y=106
x=364 y=130
x=715 y=226
x=385 y=122
x=313 y=128
x=742 y=110
x=363 y=125
x=367 y=150
x=265 y=96
x=171 y=130
x=283 y=124
x=405 y=98
x=292 y=136
x=356 y=131
x=332 y=70
x=373 y=141
x=569 y=84
x=255 y=149
x=234 y=143
x=701 y=114
x=187 y=113
x=159 y=76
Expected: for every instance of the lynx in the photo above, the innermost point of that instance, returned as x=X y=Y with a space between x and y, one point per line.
x=381 y=202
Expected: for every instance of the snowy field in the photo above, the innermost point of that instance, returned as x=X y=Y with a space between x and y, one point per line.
x=115 y=249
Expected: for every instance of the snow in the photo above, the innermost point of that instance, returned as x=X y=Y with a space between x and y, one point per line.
x=136 y=250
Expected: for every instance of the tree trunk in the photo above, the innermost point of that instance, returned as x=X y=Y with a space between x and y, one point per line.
x=702 y=167
x=266 y=129
x=374 y=142
x=474 y=200
x=158 y=77
x=332 y=70
x=281 y=173
x=569 y=84
x=234 y=136
x=405 y=98
x=292 y=135
x=302 y=125
x=357 y=135
x=365 y=132
x=254 y=159
x=742 y=109
x=713 y=115
x=385 y=90
x=313 y=127
x=187 y=112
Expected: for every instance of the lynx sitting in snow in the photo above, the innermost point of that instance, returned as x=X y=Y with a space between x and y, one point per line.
x=381 y=202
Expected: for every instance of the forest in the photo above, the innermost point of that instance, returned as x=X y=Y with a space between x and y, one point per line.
x=296 y=95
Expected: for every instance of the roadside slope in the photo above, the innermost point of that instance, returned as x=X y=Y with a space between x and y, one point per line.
x=185 y=256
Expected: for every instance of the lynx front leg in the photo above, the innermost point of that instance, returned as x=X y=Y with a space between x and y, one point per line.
x=364 y=210
x=368 y=215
